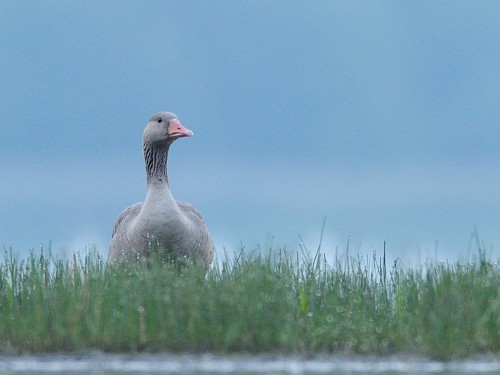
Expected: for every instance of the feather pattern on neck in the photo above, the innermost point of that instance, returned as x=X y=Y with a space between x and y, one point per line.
x=155 y=156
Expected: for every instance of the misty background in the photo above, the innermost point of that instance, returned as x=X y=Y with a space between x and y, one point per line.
x=382 y=118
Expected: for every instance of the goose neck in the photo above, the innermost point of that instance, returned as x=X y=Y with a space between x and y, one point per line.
x=155 y=156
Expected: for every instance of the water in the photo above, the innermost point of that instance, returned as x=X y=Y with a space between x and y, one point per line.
x=98 y=363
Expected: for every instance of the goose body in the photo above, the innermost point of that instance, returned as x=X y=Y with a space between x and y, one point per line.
x=160 y=223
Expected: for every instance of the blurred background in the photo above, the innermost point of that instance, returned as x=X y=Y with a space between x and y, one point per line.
x=379 y=119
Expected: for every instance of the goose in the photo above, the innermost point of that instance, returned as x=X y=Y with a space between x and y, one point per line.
x=160 y=223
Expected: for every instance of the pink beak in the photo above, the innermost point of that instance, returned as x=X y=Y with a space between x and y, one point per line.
x=176 y=130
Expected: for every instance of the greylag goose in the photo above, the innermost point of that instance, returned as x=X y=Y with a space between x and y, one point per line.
x=161 y=223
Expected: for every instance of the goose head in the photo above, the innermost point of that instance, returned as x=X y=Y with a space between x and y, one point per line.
x=164 y=128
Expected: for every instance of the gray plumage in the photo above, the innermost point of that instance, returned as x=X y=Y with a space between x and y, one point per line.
x=161 y=223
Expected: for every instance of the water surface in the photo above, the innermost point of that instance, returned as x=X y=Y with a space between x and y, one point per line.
x=98 y=363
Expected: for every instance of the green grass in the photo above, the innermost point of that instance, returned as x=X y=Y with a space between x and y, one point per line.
x=277 y=303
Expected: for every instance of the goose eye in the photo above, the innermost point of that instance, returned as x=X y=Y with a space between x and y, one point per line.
x=159 y=120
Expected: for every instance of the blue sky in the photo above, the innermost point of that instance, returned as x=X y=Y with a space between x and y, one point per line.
x=383 y=117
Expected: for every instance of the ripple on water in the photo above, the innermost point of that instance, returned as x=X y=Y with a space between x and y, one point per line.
x=99 y=363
